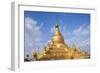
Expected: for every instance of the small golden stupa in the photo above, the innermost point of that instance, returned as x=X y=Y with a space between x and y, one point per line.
x=57 y=49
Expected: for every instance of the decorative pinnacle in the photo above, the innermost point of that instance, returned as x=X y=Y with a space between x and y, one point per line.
x=57 y=26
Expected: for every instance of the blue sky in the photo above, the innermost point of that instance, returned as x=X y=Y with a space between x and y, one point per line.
x=39 y=28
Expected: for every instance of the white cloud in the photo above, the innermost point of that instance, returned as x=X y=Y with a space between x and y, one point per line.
x=77 y=31
x=81 y=30
x=85 y=42
x=82 y=36
x=29 y=20
x=33 y=33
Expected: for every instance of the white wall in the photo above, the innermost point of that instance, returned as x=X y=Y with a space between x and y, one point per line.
x=5 y=34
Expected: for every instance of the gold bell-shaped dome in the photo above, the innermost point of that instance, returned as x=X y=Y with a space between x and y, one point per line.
x=57 y=37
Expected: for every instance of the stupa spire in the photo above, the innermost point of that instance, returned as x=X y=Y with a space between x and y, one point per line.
x=57 y=37
x=57 y=22
x=57 y=26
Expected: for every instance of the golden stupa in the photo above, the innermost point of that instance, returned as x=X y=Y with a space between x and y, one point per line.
x=57 y=49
